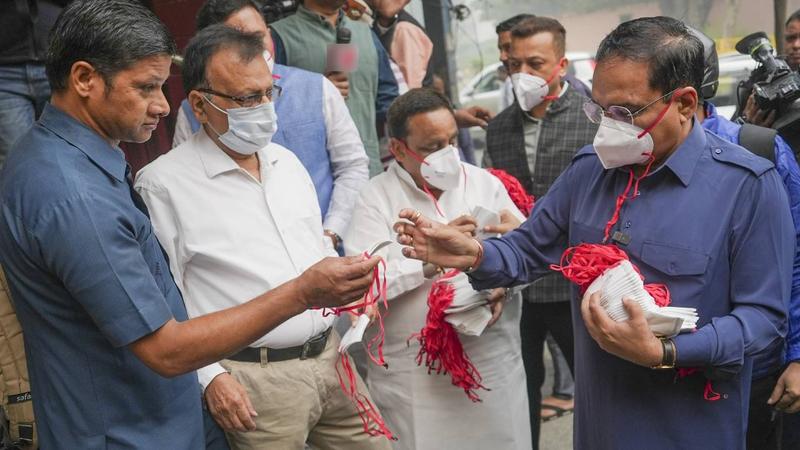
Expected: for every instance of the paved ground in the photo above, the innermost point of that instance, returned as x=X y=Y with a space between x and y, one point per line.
x=555 y=434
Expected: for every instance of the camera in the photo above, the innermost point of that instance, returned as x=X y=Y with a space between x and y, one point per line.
x=274 y=10
x=774 y=85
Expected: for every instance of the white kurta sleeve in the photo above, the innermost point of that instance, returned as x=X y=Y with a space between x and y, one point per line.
x=370 y=225
x=349 y=161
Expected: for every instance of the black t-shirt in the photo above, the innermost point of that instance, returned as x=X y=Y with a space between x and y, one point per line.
x=25 y=28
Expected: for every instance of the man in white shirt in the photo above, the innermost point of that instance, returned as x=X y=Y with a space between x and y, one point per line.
x=315 y=122
x=237 y=214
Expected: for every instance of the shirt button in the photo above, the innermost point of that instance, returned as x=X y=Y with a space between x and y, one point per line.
x=717 y=151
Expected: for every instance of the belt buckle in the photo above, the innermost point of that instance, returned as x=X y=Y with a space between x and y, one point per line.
x=304 y=351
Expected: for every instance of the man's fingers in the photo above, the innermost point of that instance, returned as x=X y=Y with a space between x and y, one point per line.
x=587 y=316
x=464 y=219
x=786 y=400
x=243 y=414
x=442 y=233
x=409 y=252
x=634 y=310
x=233 y=419
x=777 y=391
x=794 y=407
x=248 y=404
x=356 y=268
x=497 y=311
x=600 y=317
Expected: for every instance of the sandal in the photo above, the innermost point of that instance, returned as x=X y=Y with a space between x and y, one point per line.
x=550 y=411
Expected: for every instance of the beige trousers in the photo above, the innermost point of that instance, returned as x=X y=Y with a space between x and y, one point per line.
x=300 y=401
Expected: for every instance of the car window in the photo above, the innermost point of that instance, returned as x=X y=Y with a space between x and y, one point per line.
x=490 y=82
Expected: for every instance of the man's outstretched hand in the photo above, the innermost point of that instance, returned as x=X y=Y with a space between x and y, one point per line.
x=435 y=243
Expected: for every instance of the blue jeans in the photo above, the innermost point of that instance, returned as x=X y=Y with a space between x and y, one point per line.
x=24 y=90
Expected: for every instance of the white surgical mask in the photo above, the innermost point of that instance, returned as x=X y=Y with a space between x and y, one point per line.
x=442 y=168
x=620 y=144
x=249 y=129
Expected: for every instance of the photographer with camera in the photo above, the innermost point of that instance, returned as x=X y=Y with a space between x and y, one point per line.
x=771 y=387
x=773 y=88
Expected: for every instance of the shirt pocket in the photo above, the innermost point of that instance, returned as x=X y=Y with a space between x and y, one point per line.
x=582 y=233
x=674 y=261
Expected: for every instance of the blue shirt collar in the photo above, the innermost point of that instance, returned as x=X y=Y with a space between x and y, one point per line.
x=108 y=158
x=684 y=159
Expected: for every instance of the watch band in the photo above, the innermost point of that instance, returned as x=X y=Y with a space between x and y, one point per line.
x=337 y=239
x=670 y=354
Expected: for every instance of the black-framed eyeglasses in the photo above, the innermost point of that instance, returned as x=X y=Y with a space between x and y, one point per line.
x=247 y=101
x=596 y=112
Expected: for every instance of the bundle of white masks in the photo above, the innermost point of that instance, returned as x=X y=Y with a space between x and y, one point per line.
x=469 y=312
x=622 y=281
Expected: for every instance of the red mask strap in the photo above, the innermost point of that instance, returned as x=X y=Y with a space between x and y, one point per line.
x=660 y=116
x=552 y=76
x=414 y=155
x=624 y=196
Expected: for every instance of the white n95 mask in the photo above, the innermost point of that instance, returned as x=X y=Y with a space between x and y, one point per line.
x=442 y=168
x=529 y=89
x=620 y=144
x=249 y=129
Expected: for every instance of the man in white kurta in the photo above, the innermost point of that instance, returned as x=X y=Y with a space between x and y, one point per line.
x=426 y=411
x=237 y=220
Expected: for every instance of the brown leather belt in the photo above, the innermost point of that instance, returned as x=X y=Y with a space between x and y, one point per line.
x=311 y=349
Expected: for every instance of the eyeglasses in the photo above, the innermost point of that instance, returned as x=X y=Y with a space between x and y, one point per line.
x=596 y=112
x=247 y=101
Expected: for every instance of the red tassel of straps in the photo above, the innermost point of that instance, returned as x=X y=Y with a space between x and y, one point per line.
x=583 y=263
x=522 y=200
x=373 y=422
x=440 y=345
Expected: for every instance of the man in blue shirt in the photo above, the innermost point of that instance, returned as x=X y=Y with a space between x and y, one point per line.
x=110 y=353
x=704 y=216
x=782 y=389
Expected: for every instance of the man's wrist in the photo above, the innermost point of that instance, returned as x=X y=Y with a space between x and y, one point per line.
x=476 y=255
x=666 y=355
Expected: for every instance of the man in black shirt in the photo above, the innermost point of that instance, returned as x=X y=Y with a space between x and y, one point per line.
x=24 y=89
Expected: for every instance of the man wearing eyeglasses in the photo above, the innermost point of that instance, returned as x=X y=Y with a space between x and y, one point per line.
x=238 y=214
x=692 y=211
x=535 y=139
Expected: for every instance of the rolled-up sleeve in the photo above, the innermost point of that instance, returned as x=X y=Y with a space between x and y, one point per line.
x=763 y=247
x=92 y=247
x=525 y=254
